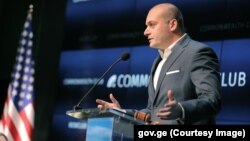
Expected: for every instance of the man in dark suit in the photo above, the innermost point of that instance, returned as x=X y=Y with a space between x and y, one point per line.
x=184 y=87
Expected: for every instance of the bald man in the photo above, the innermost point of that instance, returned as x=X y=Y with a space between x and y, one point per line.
x=184 y=84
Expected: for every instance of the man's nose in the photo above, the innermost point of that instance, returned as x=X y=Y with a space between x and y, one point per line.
x=146 y=32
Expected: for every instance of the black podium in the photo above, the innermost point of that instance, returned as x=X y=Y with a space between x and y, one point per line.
x=108 y=124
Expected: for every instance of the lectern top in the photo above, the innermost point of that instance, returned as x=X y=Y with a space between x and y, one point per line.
x=84 y=114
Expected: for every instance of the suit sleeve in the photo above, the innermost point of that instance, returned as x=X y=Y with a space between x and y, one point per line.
x=204 y=74
x=148 y=108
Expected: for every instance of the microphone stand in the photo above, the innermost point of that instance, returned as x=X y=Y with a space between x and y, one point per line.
x=78 y=107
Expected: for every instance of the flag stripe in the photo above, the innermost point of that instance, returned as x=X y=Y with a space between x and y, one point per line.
x=8 y=134
x=29 y=110
x=27 y=124
x=7 y=122
x=18 y=122
x=13 y=130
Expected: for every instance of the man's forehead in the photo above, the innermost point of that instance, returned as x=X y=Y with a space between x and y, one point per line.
x=153 y=16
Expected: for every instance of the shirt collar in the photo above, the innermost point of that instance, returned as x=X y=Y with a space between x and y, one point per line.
x=164 y=54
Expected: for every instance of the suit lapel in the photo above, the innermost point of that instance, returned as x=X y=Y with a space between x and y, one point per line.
x=176 y=52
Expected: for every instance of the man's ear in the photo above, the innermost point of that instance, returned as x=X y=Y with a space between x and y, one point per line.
x=173 y=24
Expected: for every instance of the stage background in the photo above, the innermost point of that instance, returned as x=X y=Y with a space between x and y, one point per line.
x=97 y=32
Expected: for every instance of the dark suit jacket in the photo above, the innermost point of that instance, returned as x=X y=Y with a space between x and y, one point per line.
x=192 y=73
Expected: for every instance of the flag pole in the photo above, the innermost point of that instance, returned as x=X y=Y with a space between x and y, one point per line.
x=30 y=11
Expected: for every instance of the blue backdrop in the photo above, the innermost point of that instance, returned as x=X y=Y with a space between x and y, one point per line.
x=128 y=81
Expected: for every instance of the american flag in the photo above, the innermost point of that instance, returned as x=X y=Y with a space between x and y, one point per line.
x=17 y=120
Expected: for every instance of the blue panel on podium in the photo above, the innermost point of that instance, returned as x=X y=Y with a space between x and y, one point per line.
x=99 y=129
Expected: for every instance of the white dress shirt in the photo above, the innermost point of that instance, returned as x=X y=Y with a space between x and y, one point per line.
x=164 y=55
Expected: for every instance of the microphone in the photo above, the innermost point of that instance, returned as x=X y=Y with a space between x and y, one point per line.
x=124 y=57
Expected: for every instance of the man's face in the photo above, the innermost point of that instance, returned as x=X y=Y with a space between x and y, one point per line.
x=157 y=31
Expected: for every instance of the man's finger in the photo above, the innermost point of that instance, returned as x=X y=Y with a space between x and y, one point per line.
x=164 y=109
x=99 y=101
x=170 y=95
x=100 y=107
x=163 y=115
x=112 y=98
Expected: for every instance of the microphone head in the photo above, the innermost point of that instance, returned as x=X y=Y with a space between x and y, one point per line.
x=125 y=56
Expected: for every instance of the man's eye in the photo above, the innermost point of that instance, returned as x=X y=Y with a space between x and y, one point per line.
x=151 y=25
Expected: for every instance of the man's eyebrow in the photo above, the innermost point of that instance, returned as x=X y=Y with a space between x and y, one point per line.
x=150 y=22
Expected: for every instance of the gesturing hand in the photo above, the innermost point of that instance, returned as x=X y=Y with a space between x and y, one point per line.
x=104 y=104
x=171 y=109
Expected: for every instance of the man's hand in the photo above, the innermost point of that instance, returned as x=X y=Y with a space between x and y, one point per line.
x=104 y=104
x=171 y=109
